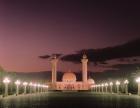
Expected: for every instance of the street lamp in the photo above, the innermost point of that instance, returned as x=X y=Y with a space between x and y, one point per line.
x=102 y=88
x=106 y=86
x=30 y=85
x=111 y=84
x=25 y=87
x=117 y=84
x=99 y=87
x=17 y=82
x=6 y=81
x=43 y=88
x=126 y=86
x=138 y=81
x=96 y=88
x=34 y=85
x=47 y=87
x=38 y=87
x=92 y=87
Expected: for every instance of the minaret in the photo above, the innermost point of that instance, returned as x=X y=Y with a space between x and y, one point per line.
x=84 y=61
x=54 y=61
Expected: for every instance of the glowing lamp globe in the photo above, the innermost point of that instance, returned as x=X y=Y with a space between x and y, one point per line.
x=17 y=82
x=138 y=80
x=6 y=80
x=117 y=83
x=47 y=86
x=30 y=84
x=126 y=82
x=106 y=84
x=38 y=85
x=25 y=83
x=34 y=85
x=110 y=83
x=102 y=85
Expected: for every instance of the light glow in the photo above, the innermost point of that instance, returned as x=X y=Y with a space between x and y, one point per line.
x=126 y=82
x=34 y=85
x=138 y=80
x=30 y=84
x=38 y=85
x=110 y=83
x=17 y=82
x=117 y=83
x=102 y=85
x=106 y=84
x=25 y=83
x=6 y=80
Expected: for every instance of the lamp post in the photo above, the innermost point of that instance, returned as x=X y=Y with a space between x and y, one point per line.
x=46 y=86
x=42 y=88
x=126 y=86
x=99 y=88
x=6 y=81
x=96 y=88
x=38 y=88
x=117 y=84
x=111 y=84
x=138 y=81
x=17 y=86
x=25 y=87
x=102 y=88
x=106 y=86
x=30 y=85
x=92 y=88
x=34 y=85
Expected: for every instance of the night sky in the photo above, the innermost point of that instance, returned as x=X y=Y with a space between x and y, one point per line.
x=31 y=28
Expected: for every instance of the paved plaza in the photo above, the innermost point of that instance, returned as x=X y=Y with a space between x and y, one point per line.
x=70 y=100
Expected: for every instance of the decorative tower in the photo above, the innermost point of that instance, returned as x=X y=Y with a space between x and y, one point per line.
x=54 y=61
x=84 y=61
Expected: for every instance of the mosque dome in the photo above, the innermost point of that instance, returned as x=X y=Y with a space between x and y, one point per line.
x=69 y=77
x=91 y=81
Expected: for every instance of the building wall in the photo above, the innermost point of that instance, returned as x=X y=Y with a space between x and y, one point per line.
x=71 y=86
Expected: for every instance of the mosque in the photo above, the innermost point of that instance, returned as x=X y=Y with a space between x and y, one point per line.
x=69 y=80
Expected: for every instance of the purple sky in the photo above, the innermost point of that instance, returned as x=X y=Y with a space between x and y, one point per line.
x=30 y=29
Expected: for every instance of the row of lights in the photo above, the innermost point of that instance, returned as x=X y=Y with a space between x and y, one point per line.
x=6 y=81
x=100 y=87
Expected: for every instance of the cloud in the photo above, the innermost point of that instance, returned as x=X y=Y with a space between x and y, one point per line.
x=76 y=58
x=115 y=58
x=57 y=55
x=48 y=56
x=44 y=56
x=129 y=49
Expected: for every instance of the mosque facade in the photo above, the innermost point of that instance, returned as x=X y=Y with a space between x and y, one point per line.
x=69 y=80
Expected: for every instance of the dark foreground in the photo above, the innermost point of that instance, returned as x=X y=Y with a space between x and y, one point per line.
x=71 y=100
